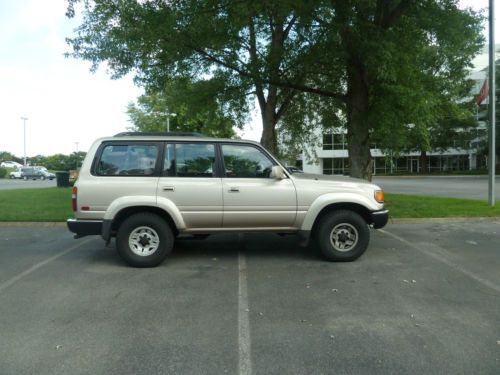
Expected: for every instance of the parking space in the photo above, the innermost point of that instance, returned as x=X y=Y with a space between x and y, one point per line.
x=423 y=299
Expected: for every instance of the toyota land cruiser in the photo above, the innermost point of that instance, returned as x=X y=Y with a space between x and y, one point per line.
x=145 y=189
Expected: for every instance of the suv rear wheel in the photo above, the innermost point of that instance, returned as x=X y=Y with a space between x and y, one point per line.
x=342 y=236
x=144 y=240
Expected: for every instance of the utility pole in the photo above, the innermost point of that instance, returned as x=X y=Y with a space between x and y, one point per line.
x=168 y=119
x=491 y=129
x=76 y=144
x=24 y=124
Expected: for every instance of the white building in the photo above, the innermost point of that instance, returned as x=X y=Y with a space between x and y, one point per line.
x=332 y=155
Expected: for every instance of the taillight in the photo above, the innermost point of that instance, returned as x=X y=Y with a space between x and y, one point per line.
x=73 y=198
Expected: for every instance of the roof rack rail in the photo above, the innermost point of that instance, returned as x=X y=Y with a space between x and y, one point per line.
x=159 y=134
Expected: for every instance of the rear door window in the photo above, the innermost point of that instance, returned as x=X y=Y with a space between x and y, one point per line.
x=127 y=160
x=189 y=160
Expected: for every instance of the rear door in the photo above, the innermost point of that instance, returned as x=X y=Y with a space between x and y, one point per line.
x=189 y=179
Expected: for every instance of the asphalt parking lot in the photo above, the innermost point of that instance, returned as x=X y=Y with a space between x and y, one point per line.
x=8 y=184
x=424 y=299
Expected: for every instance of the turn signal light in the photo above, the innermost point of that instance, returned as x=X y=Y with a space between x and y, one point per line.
x=74 y=191
x=379 y=196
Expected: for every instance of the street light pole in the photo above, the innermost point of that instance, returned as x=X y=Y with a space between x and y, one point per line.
x=76 y=144
x=168 y=119
x=491 y=129
x=24 y=125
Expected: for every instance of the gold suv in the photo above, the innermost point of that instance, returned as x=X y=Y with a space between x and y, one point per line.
x=145 y=189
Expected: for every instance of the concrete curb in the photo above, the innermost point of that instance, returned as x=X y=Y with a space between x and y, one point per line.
x=32 y=224
x=438 y=220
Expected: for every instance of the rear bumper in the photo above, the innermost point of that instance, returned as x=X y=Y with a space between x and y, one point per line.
x=379 y=218
x=83 y=228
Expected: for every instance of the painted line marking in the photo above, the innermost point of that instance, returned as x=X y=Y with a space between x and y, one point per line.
x=32 y=269
x=446 y=261
x=244 y=358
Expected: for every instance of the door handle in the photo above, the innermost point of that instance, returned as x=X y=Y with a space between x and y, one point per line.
x=234 y=189
x=168 y=188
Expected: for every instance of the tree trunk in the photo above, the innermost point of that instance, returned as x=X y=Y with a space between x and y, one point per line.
x=423 y=161
x=268 y=139
x=268 y=110
x=358 y=135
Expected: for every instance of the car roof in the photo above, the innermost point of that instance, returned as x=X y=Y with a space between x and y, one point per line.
x=176 y=138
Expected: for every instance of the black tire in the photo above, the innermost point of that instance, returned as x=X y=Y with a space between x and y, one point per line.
x=350 y=239
x=155 y=228
x=12 y=177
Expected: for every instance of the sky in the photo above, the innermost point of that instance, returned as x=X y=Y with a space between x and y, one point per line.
x=67 y=106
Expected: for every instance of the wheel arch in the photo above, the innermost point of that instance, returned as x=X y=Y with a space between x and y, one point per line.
x=126 y=212
x=346 y=206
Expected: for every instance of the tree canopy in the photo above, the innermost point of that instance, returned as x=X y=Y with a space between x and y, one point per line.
x=372 y=66
x=196 y=106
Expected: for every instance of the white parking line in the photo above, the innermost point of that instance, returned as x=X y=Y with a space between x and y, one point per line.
x=245 y=364
x=32 y=269
x=446 y=261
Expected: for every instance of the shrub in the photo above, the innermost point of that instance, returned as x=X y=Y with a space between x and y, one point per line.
x=3 y=172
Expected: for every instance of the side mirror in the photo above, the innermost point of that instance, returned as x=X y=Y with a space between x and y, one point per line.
x=277 y=172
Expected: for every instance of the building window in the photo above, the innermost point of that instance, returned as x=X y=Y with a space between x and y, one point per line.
x=327 y=141
x=335 y=166
x=334 y=142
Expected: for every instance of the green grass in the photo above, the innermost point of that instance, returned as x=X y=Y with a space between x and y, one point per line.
x=411 y=206
x=50 y=204
x=54 y=204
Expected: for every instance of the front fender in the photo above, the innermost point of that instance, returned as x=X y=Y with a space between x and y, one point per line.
x=331 y=198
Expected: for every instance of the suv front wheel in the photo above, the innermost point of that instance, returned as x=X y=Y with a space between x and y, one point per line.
x=342 y=236
x=144 y=240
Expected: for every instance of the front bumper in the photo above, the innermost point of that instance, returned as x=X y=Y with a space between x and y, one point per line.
x=83 y=228
x=379 y=218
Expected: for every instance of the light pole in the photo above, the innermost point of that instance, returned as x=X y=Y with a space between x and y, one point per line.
x=24 y=125
x=491 y=129
x=76 y=155
x=168 y=120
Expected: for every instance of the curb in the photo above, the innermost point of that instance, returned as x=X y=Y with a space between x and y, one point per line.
x=44 y=224
x=439 y=220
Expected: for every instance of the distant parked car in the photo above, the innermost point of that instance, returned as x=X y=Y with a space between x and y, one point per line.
x=294 y=170
x=45 y=172
x=48 y=175
x=11 y=164
x=35 y=173
x=16 y=174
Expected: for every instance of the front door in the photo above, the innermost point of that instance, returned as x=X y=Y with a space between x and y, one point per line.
x=252 y=199
x=190 y=181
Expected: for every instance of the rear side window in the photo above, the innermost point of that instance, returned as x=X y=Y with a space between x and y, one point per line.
x=189 y=160
x=127 y=160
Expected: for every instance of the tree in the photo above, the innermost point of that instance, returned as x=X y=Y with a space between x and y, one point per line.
x=401 y=60
x=249 y=46
x=197 y=106
x=7 y=156
x=367 y=57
